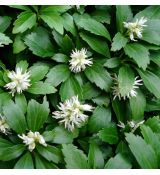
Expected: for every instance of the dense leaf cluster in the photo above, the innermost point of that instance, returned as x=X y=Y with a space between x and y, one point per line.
x=40 y=39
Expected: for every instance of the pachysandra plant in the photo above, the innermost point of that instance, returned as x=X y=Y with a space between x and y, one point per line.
x=61 y=106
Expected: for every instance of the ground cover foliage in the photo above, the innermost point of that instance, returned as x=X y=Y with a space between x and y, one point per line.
x=79 y=87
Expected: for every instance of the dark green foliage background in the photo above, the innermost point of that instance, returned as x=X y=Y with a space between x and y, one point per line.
x=44 y=37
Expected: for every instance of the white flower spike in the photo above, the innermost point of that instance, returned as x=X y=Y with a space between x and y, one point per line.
x=79 y=60
x=135 y=29
x=130 y=94
x=71 y=113
x=133 y=125
x=4 y=127
x=19 y=81
x=31 y=139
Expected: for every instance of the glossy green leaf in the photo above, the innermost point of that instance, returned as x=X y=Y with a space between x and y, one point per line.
x=25 y=162
x=4 y=40
x=118 y=162
x=151 y=82
x=38 y=72
x=37 y=114
x=15 y=117
x=139 y=54
x=100 y=118
x=143 y=152
x=5 y=21
x=138 y=105
x=74 y=157
x=88 y=23
x=97 y=44
x=95 y=157
x=123 y=14
x=35 y=41
x=97 y=74
x=125 y=80
x=70 y=88
x=26 y=20
x=58 y=74
x=50 y=153
x=41 y=88
x=53 y=20
x=109 y=134
x=119 y=41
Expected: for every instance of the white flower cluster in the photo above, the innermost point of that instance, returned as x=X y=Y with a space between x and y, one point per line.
x=71 y=113
x=132 y=124
x=79 y=62
x=19 y=81
x=135 y=29
x=131 y=93
x=31 y=139
x=4 y=127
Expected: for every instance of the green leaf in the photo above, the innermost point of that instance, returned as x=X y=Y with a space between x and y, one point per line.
x=97 y=44
x=15 y=117
x=26 y=20
x=151 y=33
x=37 y=114
x=4 y=40
x=109 y=134
x=23 y=64
x=119 y=41
x=58 y=74
x=151 y=138
x=154 y=124
x=21 y=7
x=38 y=72
x=60 y=58
x=18 y=45
x=125 y=80
x=68 y=23
x=112 y=62
x=67 y=45
x=102 y=100
x=21 y=101
x=50 y=153
x=98 y=75
x=4 y=99
x=151 y=82
x=139 y=54
x=119 y=107
x=150 y=12
x=138 y=105
x=69 y=88
x=5 y=21
x=7 y=152
x=95 y=157
x=118 y=162
x=35 y=41
x=143 y=152
x=88 y=23
x=90 y=91
x=74 y=158
x=25 y=162
x=123 y=14
x=155 y=57
x=59 y=135
x=55 y=8
x=54 y=20
x=41 y=88
x=43 y=164
x=100 y=118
